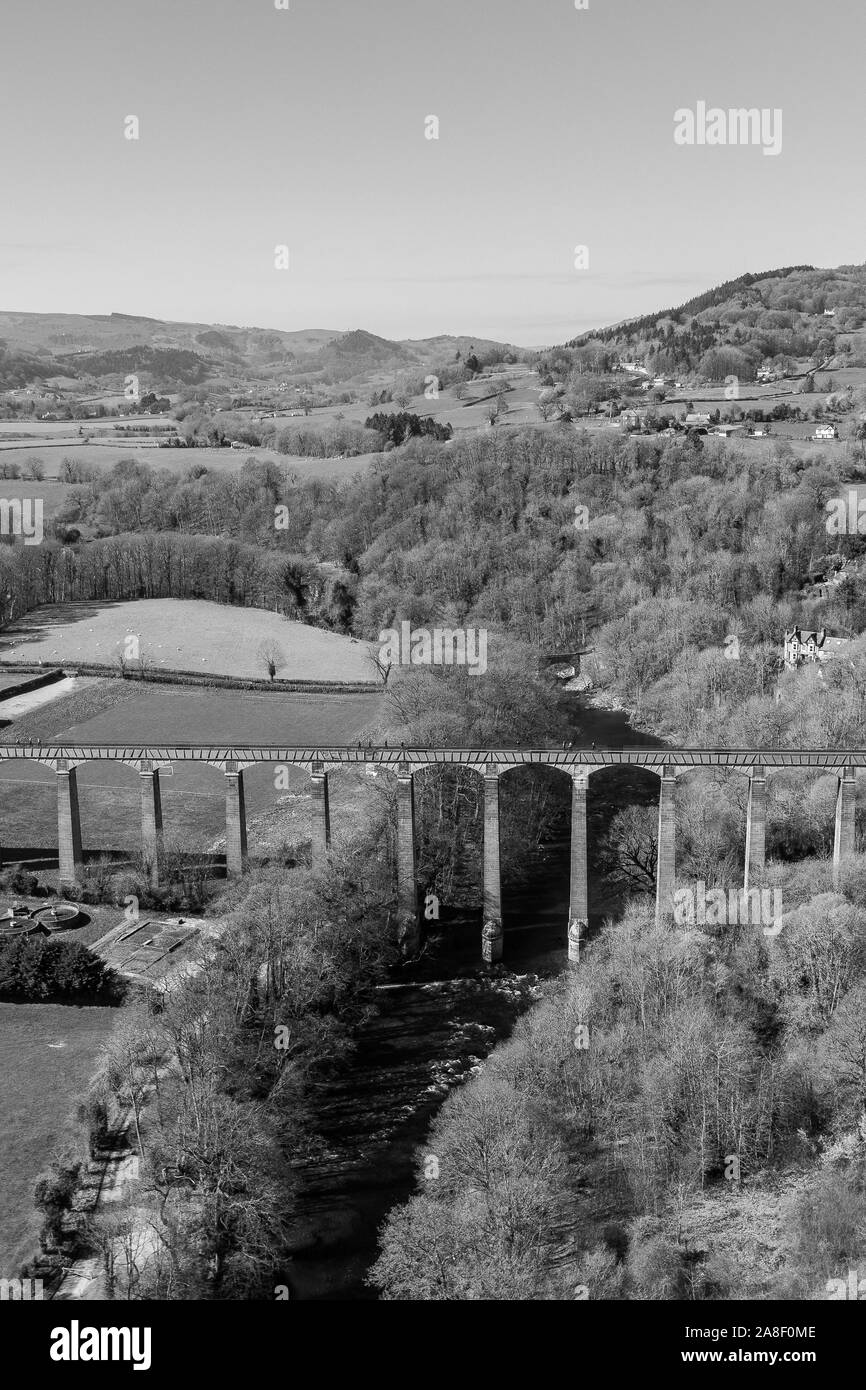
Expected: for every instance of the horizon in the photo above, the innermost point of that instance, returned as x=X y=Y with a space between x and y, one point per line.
x=406 y=338
x=557 y=130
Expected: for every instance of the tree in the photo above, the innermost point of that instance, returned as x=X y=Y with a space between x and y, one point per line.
x=382 y=668
x=271 y=656
x=631 y=847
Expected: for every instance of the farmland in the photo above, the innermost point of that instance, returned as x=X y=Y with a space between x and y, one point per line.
x=193 y=797
x=188 y=635
x=47 y=1056
x=105 y=455
x=205 y=638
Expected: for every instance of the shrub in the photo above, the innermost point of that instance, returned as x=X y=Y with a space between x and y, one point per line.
x=40 y=968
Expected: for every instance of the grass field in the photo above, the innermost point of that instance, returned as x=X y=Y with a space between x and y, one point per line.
x=47 y=1056
x=193 y=796
x=99 y=454
x=185 y=635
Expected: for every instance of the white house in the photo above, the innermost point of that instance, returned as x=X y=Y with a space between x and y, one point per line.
x=826 y=432
x=807 y=646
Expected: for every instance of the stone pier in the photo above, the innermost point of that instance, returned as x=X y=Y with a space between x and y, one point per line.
x=152 y=844
x=578 y=891
x=489 y=763
x=843 y=839
x=491 y=931
x=320 y=826
x=756 y=829
x=666 y=863
x=70 y=857
x=407 y=888
x=236 y=822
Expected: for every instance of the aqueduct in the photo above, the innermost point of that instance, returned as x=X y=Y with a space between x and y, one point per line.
x=404 y=762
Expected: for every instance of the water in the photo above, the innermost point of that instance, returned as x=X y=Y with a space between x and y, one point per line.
x=438 y=1019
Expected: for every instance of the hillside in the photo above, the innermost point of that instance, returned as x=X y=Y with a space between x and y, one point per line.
x=92 y=347
x=778 y=320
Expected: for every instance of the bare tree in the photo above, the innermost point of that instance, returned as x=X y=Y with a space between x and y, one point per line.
x=402 y=394
x=383 y=668
x=271 y=655
x=631 y=846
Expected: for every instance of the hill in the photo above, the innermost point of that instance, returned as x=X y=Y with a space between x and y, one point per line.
x=779 y=320
x=92 y=347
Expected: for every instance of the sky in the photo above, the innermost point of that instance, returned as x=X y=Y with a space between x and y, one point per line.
x=305 y=128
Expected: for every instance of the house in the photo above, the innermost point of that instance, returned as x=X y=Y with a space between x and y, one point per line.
x=829 y=313
x=801 y=645
x=632 y=419
x=727 y=429
x=826 y=432
x=808 y=646
x=696 y=420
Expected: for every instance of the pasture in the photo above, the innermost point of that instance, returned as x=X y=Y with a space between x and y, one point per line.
x=185 y=635
x=47 y=1055
x=105 y=454
x=446 y=409
x=193 y=795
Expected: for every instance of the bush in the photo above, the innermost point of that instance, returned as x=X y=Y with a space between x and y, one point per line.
x=38 y=968
x=827 y=1226
x=93 y=1116
x=23 y=884
x=53 y=1196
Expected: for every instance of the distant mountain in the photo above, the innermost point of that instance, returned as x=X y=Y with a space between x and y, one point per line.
x=99 y=345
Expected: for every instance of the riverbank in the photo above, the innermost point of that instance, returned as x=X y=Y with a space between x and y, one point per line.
x=437 y=1022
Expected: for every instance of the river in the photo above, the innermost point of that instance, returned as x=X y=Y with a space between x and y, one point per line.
x=438 y=1019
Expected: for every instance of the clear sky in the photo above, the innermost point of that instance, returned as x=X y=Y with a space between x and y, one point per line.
x=306 y=127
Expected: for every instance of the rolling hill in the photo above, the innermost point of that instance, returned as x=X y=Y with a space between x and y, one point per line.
x=774 y=319
x=36 y=347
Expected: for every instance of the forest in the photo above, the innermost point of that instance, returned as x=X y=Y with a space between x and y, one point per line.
x=584 y=1154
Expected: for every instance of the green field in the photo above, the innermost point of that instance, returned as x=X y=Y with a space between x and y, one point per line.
x=184 y=635
x=96 y=454
x=193 y=796
x=47 y=1056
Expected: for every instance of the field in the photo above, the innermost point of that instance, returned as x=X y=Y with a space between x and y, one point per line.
x=105 y=455
x=185 y=635
x=47 y=1055
x=193 y=796
x=446 y=409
